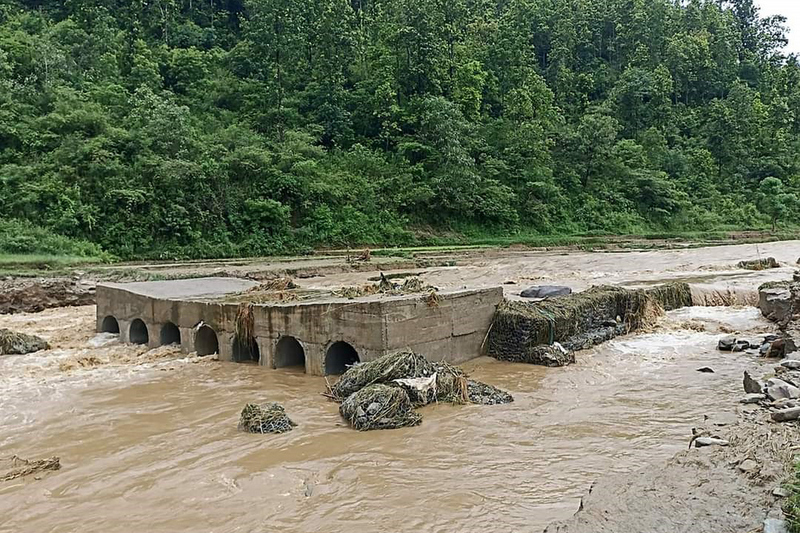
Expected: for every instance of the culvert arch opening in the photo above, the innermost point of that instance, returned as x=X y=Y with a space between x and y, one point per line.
x=109 y=325
x=138 y=332
x=289 y=353
x=246 y=351
x=339 y=357
x=206 y=342
x=170 y=334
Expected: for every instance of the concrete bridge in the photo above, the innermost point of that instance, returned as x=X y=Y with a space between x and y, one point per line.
x=323 y=335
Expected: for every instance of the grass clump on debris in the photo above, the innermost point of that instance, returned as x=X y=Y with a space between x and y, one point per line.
x=546 y=332
x=381 y=394
x=265 y=418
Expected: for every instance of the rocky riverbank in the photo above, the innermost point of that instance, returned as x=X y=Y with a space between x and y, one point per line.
x=730 y=477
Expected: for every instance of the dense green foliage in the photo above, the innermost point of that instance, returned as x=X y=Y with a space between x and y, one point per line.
x=203 y=128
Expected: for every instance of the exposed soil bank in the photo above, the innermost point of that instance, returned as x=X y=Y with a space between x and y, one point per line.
x=36 y=294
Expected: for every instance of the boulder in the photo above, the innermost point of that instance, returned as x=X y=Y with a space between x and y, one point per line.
x=752 y=385
x=792 y=364
x=775 y=303
x=20 y=343
x=777 y=389
x=747 y=466
x=753 y=398
x=726 y=344
x=774 y=349
x=545 y=291
x=786 y=415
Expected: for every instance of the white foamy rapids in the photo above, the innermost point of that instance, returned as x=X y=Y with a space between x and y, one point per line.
x=719 y=319
x=103 y=339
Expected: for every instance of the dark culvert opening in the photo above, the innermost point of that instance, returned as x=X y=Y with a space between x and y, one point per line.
x=109 y=325
x=139 y=333
x=246 y=351
x=289 y=352
x=170 y=334
x=340 y=355
x=205 y=341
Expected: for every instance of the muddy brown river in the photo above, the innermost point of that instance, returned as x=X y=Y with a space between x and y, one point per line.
x=148 y=439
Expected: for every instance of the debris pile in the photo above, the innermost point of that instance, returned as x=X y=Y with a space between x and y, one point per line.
x=12 y=342
x=266 y=418
x=384 y=286
x=758 y=264
x=379 y=407
x=274 y=290
x=383 y=393
x=548 y=331
x=16 y=467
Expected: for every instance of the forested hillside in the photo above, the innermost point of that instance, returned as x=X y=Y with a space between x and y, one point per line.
x=234 y=127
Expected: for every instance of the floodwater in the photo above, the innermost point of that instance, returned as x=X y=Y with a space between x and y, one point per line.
x=148 y=439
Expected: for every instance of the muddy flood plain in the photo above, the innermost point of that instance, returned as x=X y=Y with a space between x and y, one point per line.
x=148 y=439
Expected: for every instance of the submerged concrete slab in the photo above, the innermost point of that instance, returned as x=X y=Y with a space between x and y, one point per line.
x=318 y=332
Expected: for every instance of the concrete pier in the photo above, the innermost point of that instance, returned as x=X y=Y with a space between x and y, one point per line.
x=323 y=334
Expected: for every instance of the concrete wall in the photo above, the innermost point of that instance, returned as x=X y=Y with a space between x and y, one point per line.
x=453 y=329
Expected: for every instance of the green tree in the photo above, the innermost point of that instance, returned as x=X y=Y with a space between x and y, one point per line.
x=774 y=201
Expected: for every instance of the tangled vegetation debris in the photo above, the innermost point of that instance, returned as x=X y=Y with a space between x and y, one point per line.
x=266 y=418
x=381 y=394
x=577 y=321
x=12 y=342
x=485 y=394
x=386 y=369
x=379 y=406
x=23 y=467
x=759 y=264
x=384 y=286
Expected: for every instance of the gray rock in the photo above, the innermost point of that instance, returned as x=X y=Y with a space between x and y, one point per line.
x=753 y=398
x=706 y=370
x=751 y=385
x=775 y=348
x=786 y=415
x=773 y=525
x=793 y=364
x=777 y=389
x=545 y=291
x=780 y=492
x=785 y=403
x=12 y=342
x=709 y=441
x=748 y=465
x=775 y=303
x=726 y=344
